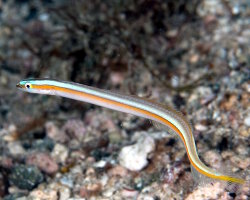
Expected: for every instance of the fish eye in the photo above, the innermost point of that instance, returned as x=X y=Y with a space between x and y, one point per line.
x=27 y=85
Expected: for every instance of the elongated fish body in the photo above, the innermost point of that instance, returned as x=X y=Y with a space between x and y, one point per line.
x=129 y=104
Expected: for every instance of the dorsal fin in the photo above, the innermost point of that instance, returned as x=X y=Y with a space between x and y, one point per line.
x=167 y=108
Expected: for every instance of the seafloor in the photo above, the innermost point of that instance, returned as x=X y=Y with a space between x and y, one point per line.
x=192 y=55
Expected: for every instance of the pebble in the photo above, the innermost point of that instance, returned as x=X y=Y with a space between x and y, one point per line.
x=213 y=159
x=94 y=146
x=45 y=144
x=67 y=181
x=90 y=171
x=15 y=196
x=129 y=193
x=6 y=162
x=109 y=192
x=60 y=153
x=74 y=129
x=200 y=127
x=172 y=33
x=242 y=163
x=244 y=131
x=16 y=149
x=25 y=177
x=47 y=194
x=247 y=121
x=62 y=190
x=43 y=161
x=208 y=192
x=115 y=137
x=100 y=164
x=118 y=171
x=90 y=190
x=76 y=199
x=54 y=133
x=227 y=104
x=15 y=190
x=104 y=180
x=116 y=78
x=134 y=157
x=9 y=134
x=194 y=58
x=64 y=193
x=145 y=197
x=44 y=17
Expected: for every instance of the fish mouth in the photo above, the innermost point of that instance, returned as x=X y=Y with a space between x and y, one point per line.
x=19 y=85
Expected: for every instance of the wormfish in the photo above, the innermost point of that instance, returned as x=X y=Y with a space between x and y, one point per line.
x=160 y=114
